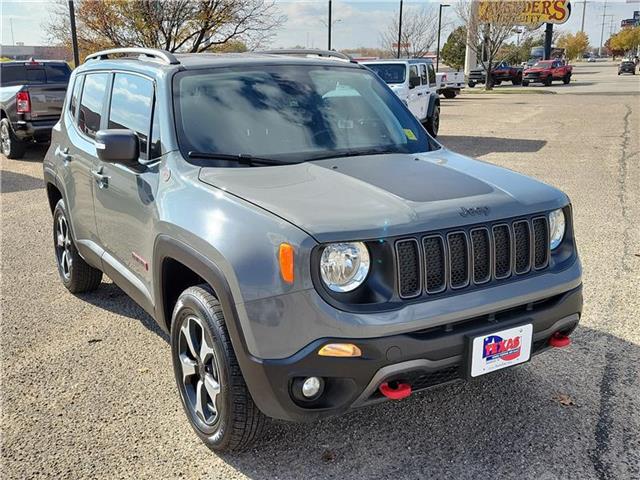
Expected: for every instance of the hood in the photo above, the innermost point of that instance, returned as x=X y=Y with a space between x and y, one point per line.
x=368 y=197
x=537 y=69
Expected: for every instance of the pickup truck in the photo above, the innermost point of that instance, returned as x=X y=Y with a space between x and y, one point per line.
x=31 y=98
x=450 y=83
x=502 y=72
x=546 y=71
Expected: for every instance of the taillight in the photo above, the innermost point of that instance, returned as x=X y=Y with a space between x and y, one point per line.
x=23 y=102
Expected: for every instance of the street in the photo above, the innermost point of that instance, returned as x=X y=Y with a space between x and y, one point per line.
x=88 y=388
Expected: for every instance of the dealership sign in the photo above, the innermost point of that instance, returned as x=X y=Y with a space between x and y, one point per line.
x=526 y=12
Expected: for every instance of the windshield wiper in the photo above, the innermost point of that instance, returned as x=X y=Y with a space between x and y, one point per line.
x=356 y=153
x=242 y=158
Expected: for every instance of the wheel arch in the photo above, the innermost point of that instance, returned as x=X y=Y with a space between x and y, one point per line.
x=434 y=100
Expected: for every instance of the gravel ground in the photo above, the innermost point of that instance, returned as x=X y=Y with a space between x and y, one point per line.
x=87 y=387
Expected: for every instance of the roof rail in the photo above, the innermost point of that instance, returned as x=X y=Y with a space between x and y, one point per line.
x=163 y=55
x=309 y=52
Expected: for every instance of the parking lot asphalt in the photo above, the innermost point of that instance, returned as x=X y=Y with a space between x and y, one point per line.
x=87 y=382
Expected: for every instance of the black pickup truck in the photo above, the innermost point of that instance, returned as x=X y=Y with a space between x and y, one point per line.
x=31 y=98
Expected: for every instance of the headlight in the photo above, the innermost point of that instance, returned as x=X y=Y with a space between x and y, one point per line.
x=556 y=228
x=344 y=266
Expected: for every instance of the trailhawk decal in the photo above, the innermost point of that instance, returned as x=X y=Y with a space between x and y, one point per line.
x=501 y=349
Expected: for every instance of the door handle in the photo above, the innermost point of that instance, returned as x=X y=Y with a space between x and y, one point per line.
x=101 y=179
x=64 y=154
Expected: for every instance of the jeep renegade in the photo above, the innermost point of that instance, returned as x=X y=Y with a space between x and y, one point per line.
x=307 y=245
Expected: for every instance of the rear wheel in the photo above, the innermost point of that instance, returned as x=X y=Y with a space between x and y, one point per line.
x=517 y=80
x=525 y=83
x=213 y=392
x=566 y=79
x=449 y=94
x=76 y=274
x=11 y=146
x=432 y=123
x=471 y=84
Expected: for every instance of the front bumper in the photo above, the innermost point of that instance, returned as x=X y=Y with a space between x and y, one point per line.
x=424 y=358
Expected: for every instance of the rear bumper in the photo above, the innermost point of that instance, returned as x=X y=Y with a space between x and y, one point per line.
x=423 y=358
x=34 y=129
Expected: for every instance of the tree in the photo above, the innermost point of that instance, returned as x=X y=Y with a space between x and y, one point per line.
x=626 y=40
x=574 y=44
x=490 y=24
x=453 y=51
x=177 y=25
x=419 y=32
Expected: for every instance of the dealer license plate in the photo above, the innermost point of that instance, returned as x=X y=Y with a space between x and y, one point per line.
x=502 y=349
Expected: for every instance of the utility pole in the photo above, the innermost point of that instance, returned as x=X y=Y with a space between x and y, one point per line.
x=329 y=27
x=74 y=36
x=399 y=30
x=604 y=14
x=439 y=27
x=584 y=9
x=13 y=40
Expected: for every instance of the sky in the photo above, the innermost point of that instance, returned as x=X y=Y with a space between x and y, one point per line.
x=361 y=22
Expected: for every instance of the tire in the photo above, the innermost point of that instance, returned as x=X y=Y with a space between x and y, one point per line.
x=547 y=81
x=449 y=94
x=229 y=419
x=497 y=82
x=471 y=84
x=11 y=146
x=525 y=83
x=516 y=81
x=432 y=123
x=76 y=274
x=566 y=79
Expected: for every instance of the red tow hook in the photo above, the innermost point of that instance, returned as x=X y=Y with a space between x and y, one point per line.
x=395 y=390
x=559 y=340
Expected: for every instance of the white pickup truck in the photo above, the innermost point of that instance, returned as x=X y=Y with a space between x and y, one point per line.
x=414 y=82
x=450 y=83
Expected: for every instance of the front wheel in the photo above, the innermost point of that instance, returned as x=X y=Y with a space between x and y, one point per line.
x=517 y=81
x=11 y=146
x=525 y=83
x=432 y=123
x=547 y=81
x=471 y=84
x=212 y=389
x=76 y=274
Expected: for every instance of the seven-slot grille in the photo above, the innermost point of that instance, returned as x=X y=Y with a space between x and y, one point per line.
x=463 y=258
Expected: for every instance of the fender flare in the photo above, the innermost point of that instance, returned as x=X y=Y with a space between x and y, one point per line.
x=434 y=100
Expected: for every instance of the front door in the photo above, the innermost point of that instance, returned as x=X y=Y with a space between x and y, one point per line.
x=413 y=100
x=124 y=203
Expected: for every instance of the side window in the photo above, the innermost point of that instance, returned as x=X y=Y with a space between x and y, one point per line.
x=131 y=99
x=432 y=74
x=155 y=147
x=93 y=96
x=414 y=78
x=75 y=96
x=423 y=74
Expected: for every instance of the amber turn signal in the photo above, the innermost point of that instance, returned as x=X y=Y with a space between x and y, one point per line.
x=285 y=256
x=340 y=350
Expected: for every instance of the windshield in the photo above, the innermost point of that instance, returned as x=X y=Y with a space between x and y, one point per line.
x=291 y=113
x=389 y=72
x=543 y=64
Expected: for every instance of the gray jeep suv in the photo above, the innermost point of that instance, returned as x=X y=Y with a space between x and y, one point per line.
x=307 y=245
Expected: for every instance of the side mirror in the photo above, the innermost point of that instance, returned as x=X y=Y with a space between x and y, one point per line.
x=118 y=146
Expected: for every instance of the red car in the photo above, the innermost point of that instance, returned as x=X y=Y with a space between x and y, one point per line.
x=546 y=71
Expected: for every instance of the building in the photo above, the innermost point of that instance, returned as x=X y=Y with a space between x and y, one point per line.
x=37 y=52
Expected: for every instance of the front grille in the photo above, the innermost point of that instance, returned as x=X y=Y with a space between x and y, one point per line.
x=471 y=256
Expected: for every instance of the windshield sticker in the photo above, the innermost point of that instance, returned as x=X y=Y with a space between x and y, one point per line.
x=409 y=133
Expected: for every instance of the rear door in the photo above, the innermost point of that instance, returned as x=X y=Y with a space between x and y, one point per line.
x=125 y=205
x=77 y=152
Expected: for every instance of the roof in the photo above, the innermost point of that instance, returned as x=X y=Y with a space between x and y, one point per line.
x=399 y=60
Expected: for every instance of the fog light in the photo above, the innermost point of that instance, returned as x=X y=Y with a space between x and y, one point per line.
x=311 y=387
x=340 y=350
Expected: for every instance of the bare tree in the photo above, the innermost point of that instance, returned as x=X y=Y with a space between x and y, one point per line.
x=489 y=24
x=174 y=25
x=419 y=32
